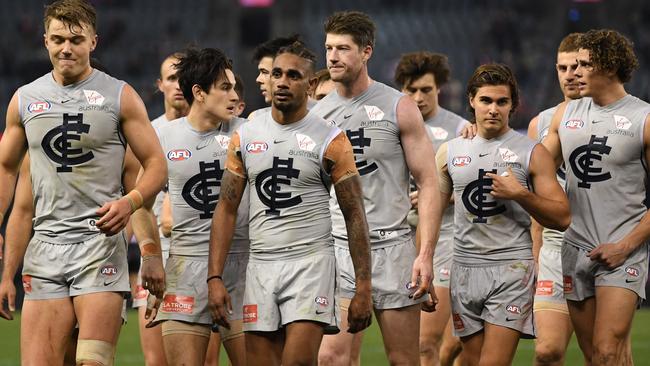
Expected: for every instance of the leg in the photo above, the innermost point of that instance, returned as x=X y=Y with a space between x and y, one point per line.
x=451 y=347
x=71 y=351
x=264 y=348
x=400 y=329
x=499 y=345
x=100 y=318
x=553 y=334
x=472 y=345
x=235 y=344
x=610 y=345
x=151 y=341
x=185 y=343
x=45 y=331
x=583 y=315
x=301 y=345
x=214 y=348
x=432 y=328
x=338 y=349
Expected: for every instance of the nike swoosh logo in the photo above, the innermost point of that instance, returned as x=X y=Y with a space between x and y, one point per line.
x=76 y=287
x=108 y=283
x=319 y=312
x=482 y=155
x=65 y=101
x=597 y=121
x=278 y=141
x=630 y=281
x=510 y=319
x=347 y=116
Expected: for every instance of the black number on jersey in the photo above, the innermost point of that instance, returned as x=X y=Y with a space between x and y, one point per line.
x=268 y=185
x=359 y=142
x=476 y=201
x=582 y=161
x=57 y=143
x=201 y=191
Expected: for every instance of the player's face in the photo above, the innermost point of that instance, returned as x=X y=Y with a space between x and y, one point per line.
x=168 y=85
x=566 y=67
x=289 y=82
x=345 y=59
x=221 y=99
x=264 y=77
x=492 y=105
x=590 y=81
x=323 y=89
x=424 y=92
x=69 y=49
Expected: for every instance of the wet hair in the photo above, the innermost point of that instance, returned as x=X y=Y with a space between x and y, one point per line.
x=174 y=56
x=353 y=23
x=414 y=65
x=239 y=88
x=610 y=51
x=299 y=49
x=271 y=47
x=73 y=13
x=570 y=43
x=493 y=75
x=202 y=67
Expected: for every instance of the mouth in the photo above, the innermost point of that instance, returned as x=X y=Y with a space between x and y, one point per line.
x=178 y=96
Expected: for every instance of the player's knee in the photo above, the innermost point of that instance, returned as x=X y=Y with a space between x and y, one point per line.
x=450 y=349
x=328 y=356
x=609 y=352
x=398 y=358
x=548 y=354
x=92 y=352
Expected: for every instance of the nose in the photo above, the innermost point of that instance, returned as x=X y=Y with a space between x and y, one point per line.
x=417 y=96
x=493 y=110
x=332 y=55
x=67 y=47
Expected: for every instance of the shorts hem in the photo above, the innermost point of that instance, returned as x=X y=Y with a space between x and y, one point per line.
x=94 y=290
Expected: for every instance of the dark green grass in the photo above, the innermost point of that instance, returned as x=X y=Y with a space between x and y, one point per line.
x=128 y=351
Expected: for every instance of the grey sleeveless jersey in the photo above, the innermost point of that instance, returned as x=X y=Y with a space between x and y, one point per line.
x=552 y=238
x=289 y=203
x=489 y=229
x=441 y=128
x=196 y=162
x=157 y=205
x=370 y=123
x=76 y=150
x=603 y=151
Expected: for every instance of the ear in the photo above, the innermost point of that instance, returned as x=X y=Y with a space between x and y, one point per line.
x=471 y=101
x=45 y=39
x=198 y=93
x=93 y=44
x=367 y=53
x=313 y=83
x=159 y=84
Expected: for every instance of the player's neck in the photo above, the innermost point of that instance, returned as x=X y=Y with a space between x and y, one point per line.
x=431 y=114
x=62 y=80
x=356 y=86
x=609 y=95
x=202 y=121
x=492 y=134
x=172 y=113
x=285 y=118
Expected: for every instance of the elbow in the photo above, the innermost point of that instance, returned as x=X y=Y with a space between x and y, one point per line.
x=166 y=228
x=561 y=220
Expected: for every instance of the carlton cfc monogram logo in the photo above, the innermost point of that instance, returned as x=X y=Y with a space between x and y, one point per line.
x=476 y=201
x=582 y=161
x=269 y=189
x=57 y=143
x=201 y=191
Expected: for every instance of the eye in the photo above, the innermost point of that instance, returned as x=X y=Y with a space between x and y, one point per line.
x=276 y=74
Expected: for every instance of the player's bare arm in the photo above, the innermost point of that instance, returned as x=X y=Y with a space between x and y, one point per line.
x=417 y=147
x=146 y=148
x=19 y=227
x=166 y=218
x=552 y=140
x=224 y=219
x=614 y=254
x=12 y=149
x=548 y=205
x=535 y=228
x=347 y=186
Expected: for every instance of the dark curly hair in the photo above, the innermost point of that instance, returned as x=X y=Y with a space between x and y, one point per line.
x=493 y=74
x=610 y=51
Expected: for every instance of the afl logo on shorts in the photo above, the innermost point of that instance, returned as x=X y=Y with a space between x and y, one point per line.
x=321 y=300
x=514 y=309
x=108 y=270
x=257 y=147
x=179 y=154
x=574 y=124
x=460 y=161
x=38 y=107
x=632 y=271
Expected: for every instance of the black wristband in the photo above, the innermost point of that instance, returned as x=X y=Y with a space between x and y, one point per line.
x=213 y=277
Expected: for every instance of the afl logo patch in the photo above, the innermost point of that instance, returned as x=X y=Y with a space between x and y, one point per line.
x=460 y=161
x=632 y=271
x=257 y=147
x=574 y=124
x=38 y=107
x=108 y=270
x=179 y=154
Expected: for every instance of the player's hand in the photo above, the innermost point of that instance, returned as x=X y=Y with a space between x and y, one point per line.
x=153 y=303
x=421 y=276
x=414 y=199
x=430 y=305
x=360 y=312
x=469 y=131
x=153 y=274
x=506 y=186
x=611 y=255
x=8 y=294
x=114 y=216
x=219 y=303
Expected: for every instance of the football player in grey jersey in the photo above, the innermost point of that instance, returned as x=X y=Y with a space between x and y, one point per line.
x=552 y=321
x=421 y=75
x=387 y=132
x=492 y=276
x=603 y=140
x=78 y=211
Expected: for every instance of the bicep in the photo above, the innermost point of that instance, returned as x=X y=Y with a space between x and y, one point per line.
x=532 y=128
x=136 y=126
x=543 y=174
x=13 y=144
x=341 y=157
x=131 y=170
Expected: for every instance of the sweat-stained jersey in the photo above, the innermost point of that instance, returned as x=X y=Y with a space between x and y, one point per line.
x=196 y=162
x=370 y=123
x=76 y=150
x=488 y=230
x=606 y=169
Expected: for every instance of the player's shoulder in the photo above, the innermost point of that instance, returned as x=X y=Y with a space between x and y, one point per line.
x=171 y=127
x=159 y=121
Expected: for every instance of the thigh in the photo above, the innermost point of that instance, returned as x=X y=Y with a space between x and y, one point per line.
x=340 y=348
x=264 y=348
x=432 y=325
x=184 y=348
x=583 y=316
x=302 y=339
x=553 y=330
x=499 y=345
x=400 y=330
x=46 y=327
x=613 y=300
x=99 y=316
